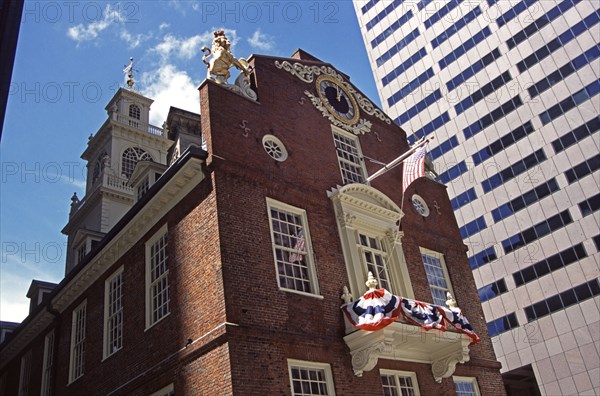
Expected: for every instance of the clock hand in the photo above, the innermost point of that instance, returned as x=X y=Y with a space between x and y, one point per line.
x=339 y=93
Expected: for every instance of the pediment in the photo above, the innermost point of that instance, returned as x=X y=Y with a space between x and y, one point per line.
x=363 y=198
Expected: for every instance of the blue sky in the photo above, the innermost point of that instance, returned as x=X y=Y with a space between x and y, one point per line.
x=68 y=65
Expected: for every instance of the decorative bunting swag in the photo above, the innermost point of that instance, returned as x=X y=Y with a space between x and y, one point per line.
x=378 y=308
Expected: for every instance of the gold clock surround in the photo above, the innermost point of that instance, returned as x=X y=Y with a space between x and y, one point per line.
x=346 y=93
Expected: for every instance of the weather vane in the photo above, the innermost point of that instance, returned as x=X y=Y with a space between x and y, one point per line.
x=128 y=70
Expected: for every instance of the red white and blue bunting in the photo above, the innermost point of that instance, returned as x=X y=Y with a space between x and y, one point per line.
x=378 y=308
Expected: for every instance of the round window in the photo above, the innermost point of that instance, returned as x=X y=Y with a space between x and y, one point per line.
x=420 y=205
x=275 y=148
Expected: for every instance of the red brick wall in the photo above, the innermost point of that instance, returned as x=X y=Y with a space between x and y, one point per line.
x=221 y=266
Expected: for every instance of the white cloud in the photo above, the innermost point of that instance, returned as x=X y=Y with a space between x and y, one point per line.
x=261 y=41
x=163 y=26
x=14 y=283
x=169 y=86
x=133 y=41
x=184 y=48
x=81 y=32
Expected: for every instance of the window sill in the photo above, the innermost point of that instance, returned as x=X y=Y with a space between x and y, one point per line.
x=148 y=327
x=316 y=296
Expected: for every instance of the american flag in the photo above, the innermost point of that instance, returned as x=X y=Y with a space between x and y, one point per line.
x=414 y=167
x=299 y=246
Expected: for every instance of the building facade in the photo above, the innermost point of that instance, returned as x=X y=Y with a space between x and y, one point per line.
x=510 y=91
x=221 y=270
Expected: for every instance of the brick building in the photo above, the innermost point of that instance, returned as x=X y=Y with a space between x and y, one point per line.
x=209 y=256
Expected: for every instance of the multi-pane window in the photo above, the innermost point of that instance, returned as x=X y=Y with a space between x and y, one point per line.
x=503 y=324
x=539 y=23
x=497 y=114
x=550 y=264
x=583 y=169
x=77 y=363
x=143 y=188
x=113 y=313
x=481 y=258
x=465 y=47
x=492 y=290
x=81 y=252
x=375 y=258
x=134 y=111
x=291 y=248
x=25 y=375
x=399 y=383
x=309 y=378
x=465 y=386
x=571 y=33
x=48 y=364
x=435 y=269
x=131 y=156
x=513 y=171
x=563 y=300
x=349 y=157
x=157 y=277
x=537 y=231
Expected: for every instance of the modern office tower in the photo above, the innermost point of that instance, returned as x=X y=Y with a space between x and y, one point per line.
x=510 y=91
x=218 y=268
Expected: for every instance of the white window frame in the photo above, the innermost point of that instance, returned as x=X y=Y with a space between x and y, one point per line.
x=25 y=374
x=307 y=253
x=150 y=307
x=370 y=255
x=404 y=374
x=303 y=364
x=81 y=251
x=362 y=209
x=48 y=364
x=143 y=188
x=168 y=390
x=341 y=160
x=467 y=380
x=77 y=351
x=113 y=316
x=440 y=257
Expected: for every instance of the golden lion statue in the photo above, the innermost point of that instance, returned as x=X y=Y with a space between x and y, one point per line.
x=222 y=59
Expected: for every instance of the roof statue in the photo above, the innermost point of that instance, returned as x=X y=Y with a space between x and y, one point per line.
x=220 y=63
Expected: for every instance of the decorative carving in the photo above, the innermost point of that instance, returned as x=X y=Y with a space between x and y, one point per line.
x=346 y=295
x=437 y=207
x=220 y=63
x=377 y=136
x=371 y=282
x=346 y=219
x=245 y=128
x=363 y=125
x=450 y=302
x=392 y=235
x=308 y=74
x=302 y=100
x=444 y=367
x=366 y=359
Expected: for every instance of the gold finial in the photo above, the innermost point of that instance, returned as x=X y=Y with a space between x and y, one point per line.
x=129 y=71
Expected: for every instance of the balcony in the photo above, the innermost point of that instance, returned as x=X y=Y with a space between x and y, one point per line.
x=381 y=325
x=135 y=123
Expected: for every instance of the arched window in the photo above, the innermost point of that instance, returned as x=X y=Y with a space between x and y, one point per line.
x=98 y=167
x=134 y=111
x=131 y=156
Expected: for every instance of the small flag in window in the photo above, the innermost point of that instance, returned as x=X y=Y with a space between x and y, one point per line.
x=414 y=167
x=299 y=247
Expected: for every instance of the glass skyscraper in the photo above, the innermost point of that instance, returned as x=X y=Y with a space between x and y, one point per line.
x=510 y=89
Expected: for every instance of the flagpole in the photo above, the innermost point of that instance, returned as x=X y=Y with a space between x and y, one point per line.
x=418 y=144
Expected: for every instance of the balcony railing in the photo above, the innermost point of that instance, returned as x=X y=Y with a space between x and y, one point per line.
x=135 y=123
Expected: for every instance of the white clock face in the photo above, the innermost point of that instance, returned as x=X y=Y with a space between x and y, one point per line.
x=338 y=100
